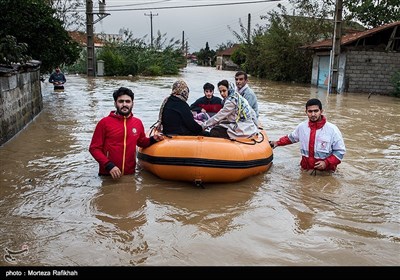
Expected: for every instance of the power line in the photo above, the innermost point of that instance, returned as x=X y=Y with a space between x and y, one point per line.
x=186 y=6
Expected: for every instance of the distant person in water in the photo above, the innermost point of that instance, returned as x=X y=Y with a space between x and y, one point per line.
x=209 y=103
x=57 y=78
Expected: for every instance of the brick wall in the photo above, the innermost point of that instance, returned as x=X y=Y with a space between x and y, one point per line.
x=371 y=71
x=20 y=102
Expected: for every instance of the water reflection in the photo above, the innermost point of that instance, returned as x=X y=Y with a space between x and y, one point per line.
x=313 y=196
x=211 y=210
x=121 y=208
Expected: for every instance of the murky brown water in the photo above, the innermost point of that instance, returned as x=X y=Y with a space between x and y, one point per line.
x=53 y=201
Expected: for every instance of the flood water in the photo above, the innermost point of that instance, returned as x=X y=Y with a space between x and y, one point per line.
x=54 y=203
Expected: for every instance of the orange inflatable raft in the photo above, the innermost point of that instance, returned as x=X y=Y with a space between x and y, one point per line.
x=202 y=159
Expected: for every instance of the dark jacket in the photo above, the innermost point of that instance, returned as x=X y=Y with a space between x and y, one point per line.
x=57 y=77
x=212 y=106
x=177 y=119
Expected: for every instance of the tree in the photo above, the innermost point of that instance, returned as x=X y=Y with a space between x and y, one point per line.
x=206 y=57
x=67 y=12
x=370 y=13
x=132 y=56
x=373 y=13
x=12 y=52
x=274 y=51
x=224 y=46
x=239 y=56
x=31 y=22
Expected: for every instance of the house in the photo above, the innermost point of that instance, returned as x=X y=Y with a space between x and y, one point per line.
x=81 y=39
x=224 y=61
x=192 y=58
x=367 y=61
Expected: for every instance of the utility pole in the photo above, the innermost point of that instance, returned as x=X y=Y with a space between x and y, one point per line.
x=337 y=38
x=248 y=28
x=91 y=59
x=89 y=39
x=183 y=42
x=151 y=15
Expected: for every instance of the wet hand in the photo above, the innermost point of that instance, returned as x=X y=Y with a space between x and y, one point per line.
x=158 y=137
x=320 y=165
x=115 y=172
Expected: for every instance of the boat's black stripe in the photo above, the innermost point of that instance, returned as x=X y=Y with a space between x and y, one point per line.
x=214 y=163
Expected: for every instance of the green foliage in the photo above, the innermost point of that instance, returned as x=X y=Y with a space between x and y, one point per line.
x=68 y=12
x=153 y=70
x=134 y=59
x=12 y=52
x=373 y=13
x=206 y=57
x=396 y=83
x=239 y=56
x=132 y=56
x=275 y=51
x=32 y=22
x=80 y=66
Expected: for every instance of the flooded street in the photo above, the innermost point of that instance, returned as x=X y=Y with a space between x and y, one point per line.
x=54 y=203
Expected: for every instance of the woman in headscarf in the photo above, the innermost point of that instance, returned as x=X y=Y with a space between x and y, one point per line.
x=236 y=119
x=175 y=117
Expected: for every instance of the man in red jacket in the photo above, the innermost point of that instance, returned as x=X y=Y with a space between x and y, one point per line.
x=116 y=136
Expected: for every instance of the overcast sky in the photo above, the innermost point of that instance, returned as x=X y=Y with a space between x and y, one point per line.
x=200 y=24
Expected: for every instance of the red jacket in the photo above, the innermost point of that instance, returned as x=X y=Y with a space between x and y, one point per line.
x=114 y=143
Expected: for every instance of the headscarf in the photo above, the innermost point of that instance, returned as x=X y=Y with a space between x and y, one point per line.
x=180 y=90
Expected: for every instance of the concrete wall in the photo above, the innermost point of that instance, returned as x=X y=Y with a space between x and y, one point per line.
x=371 y=71
x=20 y=101
x=363 y=71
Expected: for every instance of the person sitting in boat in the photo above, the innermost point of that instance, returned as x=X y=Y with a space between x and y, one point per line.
x=175 y=117
x=244 y=90
x=209 y=103
x=57 y=78
x=236 y=119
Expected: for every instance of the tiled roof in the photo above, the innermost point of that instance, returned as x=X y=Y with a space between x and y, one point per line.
x=350 y=38
x=228 y=51
x=80 y=38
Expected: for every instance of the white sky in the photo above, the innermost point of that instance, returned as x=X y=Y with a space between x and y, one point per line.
x=200 y=24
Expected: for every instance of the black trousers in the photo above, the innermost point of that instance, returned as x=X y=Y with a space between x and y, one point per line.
x=219 y=131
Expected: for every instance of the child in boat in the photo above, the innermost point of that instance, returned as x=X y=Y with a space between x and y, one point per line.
x=209 y=103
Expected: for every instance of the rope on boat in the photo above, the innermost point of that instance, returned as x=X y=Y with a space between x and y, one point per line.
x=253 y=140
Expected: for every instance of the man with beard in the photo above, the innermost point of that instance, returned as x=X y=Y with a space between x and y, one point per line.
x=322 y=145
x=116 y=136
x=57 y=78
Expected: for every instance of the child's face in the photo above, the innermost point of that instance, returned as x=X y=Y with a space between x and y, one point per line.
x=208 y=93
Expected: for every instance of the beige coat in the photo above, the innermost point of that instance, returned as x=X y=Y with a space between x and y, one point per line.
x=226 y=117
